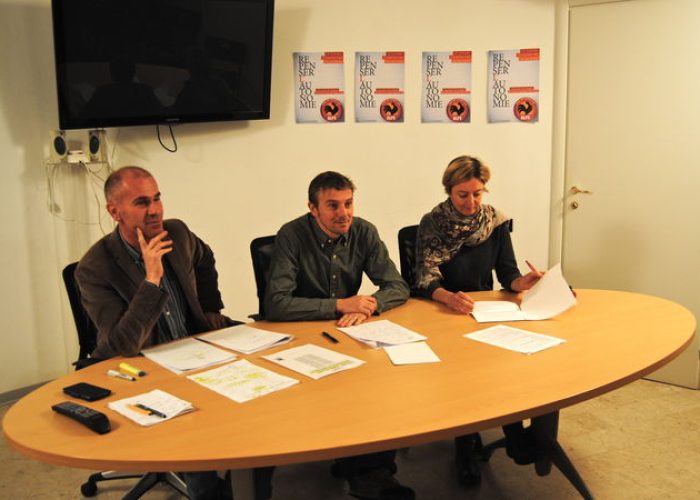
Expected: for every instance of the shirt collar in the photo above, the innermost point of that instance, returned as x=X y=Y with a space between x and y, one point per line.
x=322 y=238
x=133 y=252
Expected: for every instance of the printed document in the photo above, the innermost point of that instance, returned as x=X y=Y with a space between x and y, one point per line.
x=411 y=353
x=550 y=296
x=514 y=339
x=381 y=333
x=245 y=339
x=141 y=408
x=187 y=354
x=242 y=381
x=313 y=361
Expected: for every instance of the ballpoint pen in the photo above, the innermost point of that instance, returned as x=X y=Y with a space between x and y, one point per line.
x=330 y=337
x=142 y=408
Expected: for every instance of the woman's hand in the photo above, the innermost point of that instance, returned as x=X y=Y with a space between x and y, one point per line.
x=457 y=301
x=525 y=282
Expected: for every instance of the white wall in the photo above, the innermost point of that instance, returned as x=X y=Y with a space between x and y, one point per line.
x=234 y=181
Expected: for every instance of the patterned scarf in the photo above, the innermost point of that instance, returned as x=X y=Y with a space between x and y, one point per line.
x=444 y=231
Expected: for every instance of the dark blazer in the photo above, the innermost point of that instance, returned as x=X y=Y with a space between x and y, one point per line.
x=125 y=308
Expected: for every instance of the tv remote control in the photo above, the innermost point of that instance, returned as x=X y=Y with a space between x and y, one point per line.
x=92 y=419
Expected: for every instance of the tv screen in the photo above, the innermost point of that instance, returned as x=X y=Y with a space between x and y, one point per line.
x=139 y=62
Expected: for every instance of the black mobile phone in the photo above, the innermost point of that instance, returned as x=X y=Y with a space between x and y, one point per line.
x=88 y=392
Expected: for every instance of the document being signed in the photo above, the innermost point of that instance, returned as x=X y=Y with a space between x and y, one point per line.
x=549 y=297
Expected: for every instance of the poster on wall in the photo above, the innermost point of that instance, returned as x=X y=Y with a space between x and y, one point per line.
x=379 y=87
x=446 y=82
x=319 y=93
x=513 y=91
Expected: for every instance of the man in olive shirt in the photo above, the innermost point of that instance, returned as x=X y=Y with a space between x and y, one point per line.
x=319 y=261
x=315 y=274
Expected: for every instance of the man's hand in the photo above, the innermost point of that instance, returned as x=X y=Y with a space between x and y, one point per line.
x=217 y=320
x=363 y=304
x=152 y=253
x=351 y=319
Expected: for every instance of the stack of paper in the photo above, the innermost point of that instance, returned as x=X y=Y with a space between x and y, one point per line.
x=411 y=353
x=187 y=354
x=549 y=297
x=313 y=361
x=381 y=333
x=245 y=339
x=151 y=408
x=242 y=381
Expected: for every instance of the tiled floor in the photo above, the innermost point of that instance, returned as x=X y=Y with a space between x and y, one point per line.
x=639 y=442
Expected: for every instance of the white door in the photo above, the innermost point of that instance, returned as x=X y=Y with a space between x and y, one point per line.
x=633 y=141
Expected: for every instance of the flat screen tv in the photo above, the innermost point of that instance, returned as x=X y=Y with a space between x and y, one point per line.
x=139 y=62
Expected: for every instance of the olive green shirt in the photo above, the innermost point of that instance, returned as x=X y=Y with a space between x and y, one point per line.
x=309 y=271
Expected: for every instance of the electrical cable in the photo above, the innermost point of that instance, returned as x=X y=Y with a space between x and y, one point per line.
x=172 y=135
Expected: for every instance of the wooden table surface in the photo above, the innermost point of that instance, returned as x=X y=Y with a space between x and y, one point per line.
x=612 y=338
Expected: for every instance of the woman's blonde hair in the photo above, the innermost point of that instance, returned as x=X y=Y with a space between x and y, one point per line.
x=462 y=169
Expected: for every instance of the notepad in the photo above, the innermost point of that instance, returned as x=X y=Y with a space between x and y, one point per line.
x=549 y=297
x=245 y=339
x=162 y=402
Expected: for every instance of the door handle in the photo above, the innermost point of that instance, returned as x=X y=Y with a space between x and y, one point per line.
x=576 y=189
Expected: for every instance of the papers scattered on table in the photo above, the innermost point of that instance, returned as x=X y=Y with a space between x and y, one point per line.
x=549 y=297
x=313 y=361
x=381 y=333
x=515 y=339
x=187 y=354
x=411 y=353
x=245 y=339
x=166 y=405
x=242 y=381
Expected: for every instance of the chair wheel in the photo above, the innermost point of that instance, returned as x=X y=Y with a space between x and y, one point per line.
x=88 y=489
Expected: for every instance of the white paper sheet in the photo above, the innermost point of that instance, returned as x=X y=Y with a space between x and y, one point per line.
x=381 y=333
x=411 y=353
x=187 y=354
x=549 y=297
x=514 y=339
x=161 y=401
x=242 y=381
x=313 y=361
x=245 y=339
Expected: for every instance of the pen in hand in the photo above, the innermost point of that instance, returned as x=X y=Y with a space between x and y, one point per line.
x=330 y=337
x=533 y=268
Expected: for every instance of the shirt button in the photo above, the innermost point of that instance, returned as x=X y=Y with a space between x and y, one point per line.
x=333 y=276
x=332 y=295
x=335 y=256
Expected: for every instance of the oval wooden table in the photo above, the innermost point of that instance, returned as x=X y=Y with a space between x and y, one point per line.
x=612 y=338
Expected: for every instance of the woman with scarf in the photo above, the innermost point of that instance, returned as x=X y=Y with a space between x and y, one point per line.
x=460 y=243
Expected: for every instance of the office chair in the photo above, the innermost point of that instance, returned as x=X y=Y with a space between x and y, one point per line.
x=407 y=255
x=261 y=253
x=87 y=339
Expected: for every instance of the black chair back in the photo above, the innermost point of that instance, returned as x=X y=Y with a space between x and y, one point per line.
x=407 y=254
x=261 y=253
x=87 y=331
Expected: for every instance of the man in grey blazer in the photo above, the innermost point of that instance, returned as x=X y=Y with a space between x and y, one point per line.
x=150 y=281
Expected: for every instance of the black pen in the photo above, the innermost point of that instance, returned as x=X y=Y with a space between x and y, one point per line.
x=150 y=410
x=330 y=337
